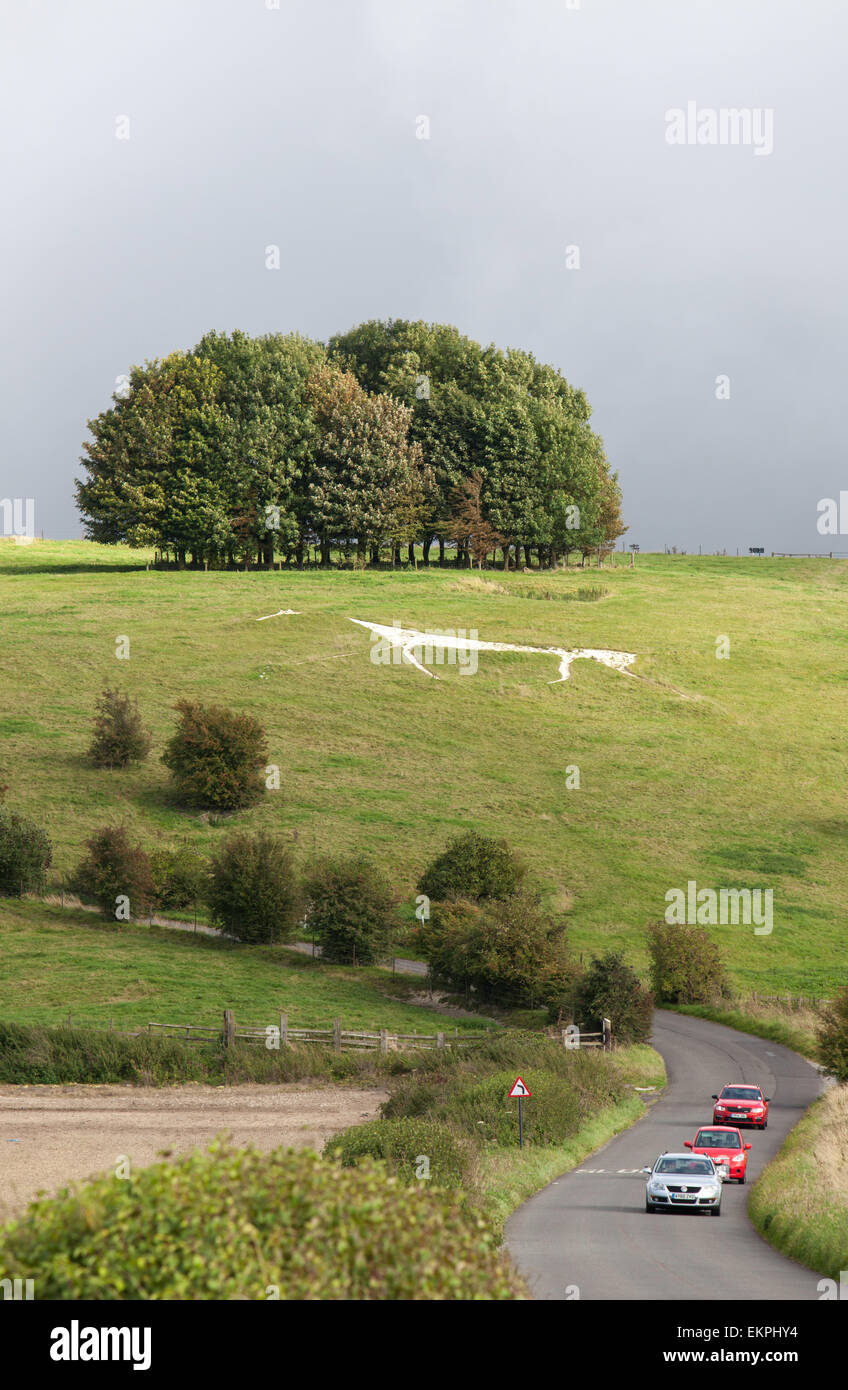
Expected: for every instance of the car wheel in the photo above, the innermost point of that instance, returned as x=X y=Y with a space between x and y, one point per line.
x=742 y=1179
x=716 y=1211
x=649 y=1206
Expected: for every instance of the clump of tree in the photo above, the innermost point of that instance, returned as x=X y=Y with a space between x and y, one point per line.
x=832 y=1036
x=351 y=909
x=253 y=891
x=116 y=874
x=119 y=735
x=25 y=853
x=245 y=449
x=504 y=951
x=475 y=867
x=610 y=989
x=216 y=756
x=687 y=966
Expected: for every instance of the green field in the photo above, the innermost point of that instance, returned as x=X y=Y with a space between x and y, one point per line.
x=729 y=772
x=55 y=961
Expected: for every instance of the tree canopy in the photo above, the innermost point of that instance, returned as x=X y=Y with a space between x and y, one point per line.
x=246 y=448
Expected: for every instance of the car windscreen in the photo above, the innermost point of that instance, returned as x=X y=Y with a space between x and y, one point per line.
x=700 y=1166
x=740 y=1093
x=717 y=1139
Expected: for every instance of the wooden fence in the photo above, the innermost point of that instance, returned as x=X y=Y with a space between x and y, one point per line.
x=283 y=1034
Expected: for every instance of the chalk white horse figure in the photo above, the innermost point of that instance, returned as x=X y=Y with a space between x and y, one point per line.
x=410 y=639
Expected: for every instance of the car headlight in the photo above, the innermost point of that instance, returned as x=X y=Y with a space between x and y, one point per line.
x=657 y=1185
x=712 y=1189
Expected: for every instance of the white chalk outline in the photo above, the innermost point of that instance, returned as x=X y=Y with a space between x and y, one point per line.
x=410 y=639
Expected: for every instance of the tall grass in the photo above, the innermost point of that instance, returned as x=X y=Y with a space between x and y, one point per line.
x=800 y=1202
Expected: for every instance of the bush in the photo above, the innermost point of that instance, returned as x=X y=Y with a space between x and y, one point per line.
x=25 y=854
x=215 y=756
x=832 y=1036
x=402 y=1144
x=686 y=965
x=551 y=1115
x=181 y=877
x=113 y=868
x=251 y=1224
x=507 y=951
x=253 y=893
x=475 y=867
x=351 y=909
x=610 y=989
x=119 y=736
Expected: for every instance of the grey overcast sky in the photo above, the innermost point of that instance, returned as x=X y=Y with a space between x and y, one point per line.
x=298 y=126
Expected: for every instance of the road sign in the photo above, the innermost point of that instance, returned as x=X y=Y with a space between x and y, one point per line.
x=519 y=1089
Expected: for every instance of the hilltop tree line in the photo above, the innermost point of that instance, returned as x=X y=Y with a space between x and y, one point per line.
x=395 y=434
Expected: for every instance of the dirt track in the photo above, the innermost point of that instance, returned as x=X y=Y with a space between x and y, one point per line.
x=50 y=1135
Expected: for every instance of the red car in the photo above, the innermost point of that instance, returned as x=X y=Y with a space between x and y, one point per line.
x=723 y=1145
x=741 y=1103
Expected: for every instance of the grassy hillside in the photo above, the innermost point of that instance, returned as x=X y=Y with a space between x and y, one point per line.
x=53 y=961
x=730 y=772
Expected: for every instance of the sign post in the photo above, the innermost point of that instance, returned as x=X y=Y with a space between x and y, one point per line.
x=519 y=1091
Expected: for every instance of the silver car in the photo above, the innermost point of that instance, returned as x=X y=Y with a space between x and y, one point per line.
x=690 y=1181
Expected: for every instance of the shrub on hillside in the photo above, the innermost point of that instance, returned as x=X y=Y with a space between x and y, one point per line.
x=253 y=892
x=350 y=908
x=508 y=952
x=475 y=867
x=25 y=854
x=181 y=876
x=114 y=868
x=415 y=1150
x=610 y=989
x=551 y=1116
x=119 y=735
x=832 y=1036
x=686 y=965
x=314 y=1231
x=216 y=756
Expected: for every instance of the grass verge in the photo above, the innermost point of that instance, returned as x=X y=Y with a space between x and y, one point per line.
x=791 y=1028
x=799 y=1204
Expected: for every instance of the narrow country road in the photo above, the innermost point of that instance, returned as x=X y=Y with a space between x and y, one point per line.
x=589 y=1229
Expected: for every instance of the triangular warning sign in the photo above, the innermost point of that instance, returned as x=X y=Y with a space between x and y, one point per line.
x=519 y=1089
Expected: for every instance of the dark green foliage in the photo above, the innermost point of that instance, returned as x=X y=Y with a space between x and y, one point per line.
x=552 y=1114
x=610 y=989
x=215 y=757
x=181 y=877
x=351 y=909
x=403 y=1144
x=507 y=952
x=473 y=866
x=253 y=889
x=113 y=868
x=832 y=1036
x=119 y=736
x=686 y=965
x=250 y=1225
x=25 y=854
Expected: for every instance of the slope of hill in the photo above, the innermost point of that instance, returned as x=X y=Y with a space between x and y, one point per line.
x=729 y=772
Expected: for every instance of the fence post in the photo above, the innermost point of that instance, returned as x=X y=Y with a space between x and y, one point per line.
x=440 y=1040
x=337 y=1035
x=284 y=1030
x=384 y=1042
x=607 y=1027
x=229 y=1028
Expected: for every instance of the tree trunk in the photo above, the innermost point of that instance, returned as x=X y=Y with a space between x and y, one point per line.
x=527 y=557
x=411 y=553
x=506 y=551
x=441 y=550
x=425 y=556
x=325 y=552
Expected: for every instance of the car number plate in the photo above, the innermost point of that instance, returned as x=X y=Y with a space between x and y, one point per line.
x=681 y=1197
x=739 y=1115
